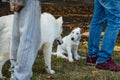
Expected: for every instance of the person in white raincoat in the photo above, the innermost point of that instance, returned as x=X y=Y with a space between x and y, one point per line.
x=25 y=37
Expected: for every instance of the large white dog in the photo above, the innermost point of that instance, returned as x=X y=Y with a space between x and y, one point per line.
x=51 y=29
x=70 y=46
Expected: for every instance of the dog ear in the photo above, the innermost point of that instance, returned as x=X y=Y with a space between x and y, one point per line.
x=60 y=21
x=79 y=28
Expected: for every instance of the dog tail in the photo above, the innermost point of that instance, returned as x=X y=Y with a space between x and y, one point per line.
x=54 y=53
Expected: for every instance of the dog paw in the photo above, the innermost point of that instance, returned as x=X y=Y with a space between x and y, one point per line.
x=50 y=71
x=83 y=57
x=77 y=57
x=70 y=60
x=2 y=78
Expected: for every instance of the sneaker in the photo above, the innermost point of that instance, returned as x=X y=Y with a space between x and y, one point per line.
x=109 y=65
x=91 y=60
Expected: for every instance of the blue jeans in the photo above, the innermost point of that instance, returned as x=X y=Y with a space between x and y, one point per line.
x=108 y=10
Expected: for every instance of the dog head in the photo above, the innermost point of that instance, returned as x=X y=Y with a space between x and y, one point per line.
x=59 y=31
x=76 y=34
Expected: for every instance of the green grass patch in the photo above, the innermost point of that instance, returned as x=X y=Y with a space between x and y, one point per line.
x=78 y=70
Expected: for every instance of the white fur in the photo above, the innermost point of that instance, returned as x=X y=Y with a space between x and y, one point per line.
x=5 y=37
x=70 y=46
x=51 y=29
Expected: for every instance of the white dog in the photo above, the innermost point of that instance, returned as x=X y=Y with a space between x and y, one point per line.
x=70 y=46
x=51 y=29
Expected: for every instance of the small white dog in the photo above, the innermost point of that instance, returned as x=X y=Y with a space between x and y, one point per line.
x=70 y=46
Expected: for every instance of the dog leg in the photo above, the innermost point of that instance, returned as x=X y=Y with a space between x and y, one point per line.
x=76 y=55
x=70 y=58
x=60 y=52
x=62 y=56
x=47 y=50
x=3 y=58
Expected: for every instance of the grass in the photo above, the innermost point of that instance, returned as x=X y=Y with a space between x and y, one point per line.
x=78 y=70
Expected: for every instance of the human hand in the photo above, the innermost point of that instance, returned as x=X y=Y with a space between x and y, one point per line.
x=14 y=7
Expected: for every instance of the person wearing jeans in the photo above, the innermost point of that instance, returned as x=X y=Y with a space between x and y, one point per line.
x=104 y=10
x=25 y=37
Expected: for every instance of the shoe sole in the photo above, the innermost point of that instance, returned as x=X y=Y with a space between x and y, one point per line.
x=107 y=69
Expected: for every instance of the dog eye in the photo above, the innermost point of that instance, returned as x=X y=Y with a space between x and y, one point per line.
x=77 y=33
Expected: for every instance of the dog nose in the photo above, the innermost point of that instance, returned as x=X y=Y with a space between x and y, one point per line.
x=72 y=38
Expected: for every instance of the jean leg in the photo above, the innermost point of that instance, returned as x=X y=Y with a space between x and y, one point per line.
x=96 y=29
x=108 y=43
x=112 y=30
